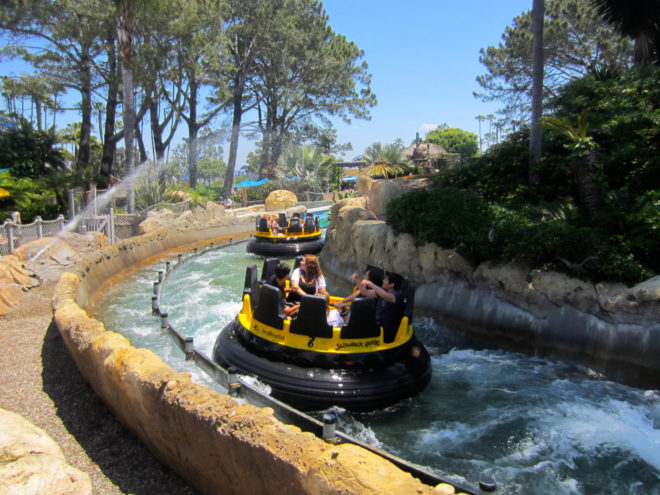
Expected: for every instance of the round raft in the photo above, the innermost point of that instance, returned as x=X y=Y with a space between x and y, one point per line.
x=291 y=238
x=311 y=365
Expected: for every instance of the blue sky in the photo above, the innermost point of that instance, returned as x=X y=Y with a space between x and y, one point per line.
x=423 y=56
x=424 y=59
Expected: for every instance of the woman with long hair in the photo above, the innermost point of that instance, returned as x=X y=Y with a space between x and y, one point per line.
x=308 y=279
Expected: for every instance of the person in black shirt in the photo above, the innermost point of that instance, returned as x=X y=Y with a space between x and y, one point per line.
x=278 y=280
x=390 y=305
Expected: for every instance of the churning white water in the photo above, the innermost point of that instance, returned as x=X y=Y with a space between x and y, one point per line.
x=536 y=425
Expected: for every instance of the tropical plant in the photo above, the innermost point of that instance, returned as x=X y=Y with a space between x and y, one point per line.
x=385 y=160
x=308 y=163
x=149 y=191
x=584 y=158
x=639 y=20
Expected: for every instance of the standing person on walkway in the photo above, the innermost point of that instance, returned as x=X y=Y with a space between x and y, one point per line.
x=16 y=218
x=16 y=215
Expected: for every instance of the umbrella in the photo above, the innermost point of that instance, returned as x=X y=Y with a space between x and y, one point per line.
x=252 y=183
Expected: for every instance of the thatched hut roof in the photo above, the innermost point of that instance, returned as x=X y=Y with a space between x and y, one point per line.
x=424 y=151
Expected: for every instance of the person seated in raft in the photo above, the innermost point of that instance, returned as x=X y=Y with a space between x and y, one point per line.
x=294 y=225
x=308 y=279
x=309 y=223
x=264 y=224
x=278 y=280
x=332 y=314
x=272 y=224
x=390 y=305
x=359 y=290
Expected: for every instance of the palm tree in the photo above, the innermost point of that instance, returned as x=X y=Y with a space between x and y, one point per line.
x=307 y=163
x=480 y=118
x=584 y=158
x=384 y=160
x=536 y=131
x=490 y=118
x=638 y=20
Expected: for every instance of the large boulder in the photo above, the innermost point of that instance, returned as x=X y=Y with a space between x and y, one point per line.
x=280 y=200
x=32 y=463
x=384 y=191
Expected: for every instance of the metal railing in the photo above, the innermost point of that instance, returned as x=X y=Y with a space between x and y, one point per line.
x=13 y=234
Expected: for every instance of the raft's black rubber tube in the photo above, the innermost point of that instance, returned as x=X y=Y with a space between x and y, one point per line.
x=284 y=249
x=310 y=388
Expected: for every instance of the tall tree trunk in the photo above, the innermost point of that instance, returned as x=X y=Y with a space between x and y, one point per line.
x=536 y=131
x=193 y=129
x=141 y=147
x=109 y=138
x=125 y=38
x=86 y=119
x=589 y=191
x=233 y=144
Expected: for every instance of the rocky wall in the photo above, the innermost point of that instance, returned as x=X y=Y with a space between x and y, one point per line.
x=217 y=443
x=610 y=327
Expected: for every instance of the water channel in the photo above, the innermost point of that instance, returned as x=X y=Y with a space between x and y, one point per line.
x=536 y=425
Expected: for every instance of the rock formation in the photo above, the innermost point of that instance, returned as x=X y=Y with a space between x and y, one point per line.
x=32 y=463
x=608 y=326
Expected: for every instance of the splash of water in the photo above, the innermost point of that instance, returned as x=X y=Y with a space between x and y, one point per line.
x=100 y=203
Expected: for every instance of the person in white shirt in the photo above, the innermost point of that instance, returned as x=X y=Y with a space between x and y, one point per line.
x=308 y=279
x=332 y=314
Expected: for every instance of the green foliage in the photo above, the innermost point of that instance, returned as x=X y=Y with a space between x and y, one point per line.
x=30 y=153
x=575 y=40
x=149 y=191
x=32 y=196
x=486 y=211
x=455 y=140
x=385 y=160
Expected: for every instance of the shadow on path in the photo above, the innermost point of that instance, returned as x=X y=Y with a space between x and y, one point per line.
x=122 y=458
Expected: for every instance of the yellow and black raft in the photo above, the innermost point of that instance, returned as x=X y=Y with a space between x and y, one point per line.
x=312 y=365
x=292 y=238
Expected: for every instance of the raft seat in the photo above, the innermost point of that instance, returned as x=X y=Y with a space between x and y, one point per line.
x=362 y=320
x=270 y=308
x=268 y=269
x=311 y=319
x=263 y=225
x=309 y=226
x=281 y=221
x=295 y=226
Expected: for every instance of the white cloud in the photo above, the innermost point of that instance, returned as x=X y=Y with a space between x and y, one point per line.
x=427 y=127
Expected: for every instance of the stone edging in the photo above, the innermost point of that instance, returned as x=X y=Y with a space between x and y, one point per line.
x=218 y=444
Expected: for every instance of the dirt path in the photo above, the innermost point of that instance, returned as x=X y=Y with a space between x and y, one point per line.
x=40 y=381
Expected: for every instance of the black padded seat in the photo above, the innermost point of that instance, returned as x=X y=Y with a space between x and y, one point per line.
x=295 y=226
x=270 y=309
x=309 y=226
x=263 y=225
x=268 y=268
x=250 y=285
x=297 y=262
x=362 y=320
x=250 y=277
x=282 y=221
x=311 y=319
x=409 y=299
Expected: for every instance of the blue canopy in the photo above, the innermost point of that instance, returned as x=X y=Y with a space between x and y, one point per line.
x=252 y=183
x=350 y=178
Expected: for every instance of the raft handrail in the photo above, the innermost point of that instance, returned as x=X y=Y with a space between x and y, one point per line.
x=240 y=388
